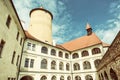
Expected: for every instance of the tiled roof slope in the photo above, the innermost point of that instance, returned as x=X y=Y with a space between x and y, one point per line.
x=28 y=35
x=82 y=42
x=76 y=44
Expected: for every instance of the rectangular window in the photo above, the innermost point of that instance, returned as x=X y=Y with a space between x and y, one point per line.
x=29 y=46
x=1 y=46
x=17 y=60
x=33 y=47
x=13 y=57
x=21 y=41
x=26 y=62
x=17 y=36
x=32 y=63
x=8 y=21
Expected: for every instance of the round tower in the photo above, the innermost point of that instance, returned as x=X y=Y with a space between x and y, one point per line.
x=41 y=24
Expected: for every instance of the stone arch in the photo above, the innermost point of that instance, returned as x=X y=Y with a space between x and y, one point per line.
x=75 y=55
x=44 y=64
x=62 y=78
x=96 y=51
x=44 y=50
x=53 y=78
x=53 y=52
x=77 y=77
x=113 y=74
x=76 y=66
x=86 y=65
x=53 y=65
x=88 y=77
x=43 y=78
x=27 y=78
x=68 y=78
x=85 y=53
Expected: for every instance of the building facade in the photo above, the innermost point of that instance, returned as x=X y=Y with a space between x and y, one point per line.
x=109 y=68
x=11 y=41
x=74 y=60
x=32 y=55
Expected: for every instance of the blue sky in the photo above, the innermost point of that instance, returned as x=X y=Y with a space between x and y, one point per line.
x=70 y=17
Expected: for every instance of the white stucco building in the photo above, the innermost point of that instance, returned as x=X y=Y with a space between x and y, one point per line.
x=73 y=60
x=32 y=54
x=11 y=41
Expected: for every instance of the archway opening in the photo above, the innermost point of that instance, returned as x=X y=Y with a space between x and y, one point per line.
x=27 y=78
x=113 y=75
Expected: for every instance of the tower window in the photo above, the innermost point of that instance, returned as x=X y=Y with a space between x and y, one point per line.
x=8 y=21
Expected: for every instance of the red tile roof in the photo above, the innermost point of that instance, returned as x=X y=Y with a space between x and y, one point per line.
x=76 y=44
x=82 y=42
x=28 y=35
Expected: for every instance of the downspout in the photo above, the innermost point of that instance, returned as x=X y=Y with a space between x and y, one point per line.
x=20 y=59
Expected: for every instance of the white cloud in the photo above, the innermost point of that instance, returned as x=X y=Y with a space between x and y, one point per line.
x=113 y=25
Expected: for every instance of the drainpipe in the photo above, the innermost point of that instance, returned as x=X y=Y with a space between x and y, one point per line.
x=20 y=59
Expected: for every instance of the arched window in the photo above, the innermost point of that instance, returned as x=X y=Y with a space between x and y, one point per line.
x=106 y=76
x=53 y=65
x=60 y=54
x=96 y=51
x=53 y=78
x=87 y=65
x=76 y=66
x=88 y=77
x=44 y=50
x=113 y=75
x=61 y=66
x=97 y=62
x=53 y=52
x=66 y=55
x=77 y=78
x=43 y=78
x=44 y=64
x=85 y=53
x=67 y=67
x=68 y=78
x=62 y=78
x=75 y=55
x=27 y=78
